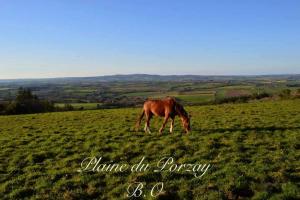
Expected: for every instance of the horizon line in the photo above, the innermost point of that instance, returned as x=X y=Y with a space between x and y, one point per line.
x=209 y=75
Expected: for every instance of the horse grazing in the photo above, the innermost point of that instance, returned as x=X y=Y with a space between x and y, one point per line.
x=167 y=108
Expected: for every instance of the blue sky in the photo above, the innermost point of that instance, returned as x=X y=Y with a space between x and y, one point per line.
x=61 y=38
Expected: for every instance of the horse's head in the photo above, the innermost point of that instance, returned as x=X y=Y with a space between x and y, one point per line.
x=185 y=118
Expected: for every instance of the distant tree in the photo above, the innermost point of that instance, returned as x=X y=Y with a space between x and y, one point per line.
x=25 y=95
x=26 y=103
x=68 y=107
x=2 y=108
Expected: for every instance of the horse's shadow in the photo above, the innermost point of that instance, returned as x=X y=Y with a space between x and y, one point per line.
x=223 y=130
x=243 y=129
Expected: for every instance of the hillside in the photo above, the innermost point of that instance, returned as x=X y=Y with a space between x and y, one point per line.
x=253 y=150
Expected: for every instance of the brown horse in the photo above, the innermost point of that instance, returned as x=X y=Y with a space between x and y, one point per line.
x=167 y=108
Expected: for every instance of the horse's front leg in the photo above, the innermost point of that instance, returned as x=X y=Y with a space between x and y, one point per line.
x=164 y=124
x=172 y=125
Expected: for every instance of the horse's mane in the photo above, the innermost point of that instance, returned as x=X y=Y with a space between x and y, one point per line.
x=180 y=110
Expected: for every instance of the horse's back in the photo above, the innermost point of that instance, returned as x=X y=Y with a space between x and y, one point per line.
x=160 y=106
x=160 y=102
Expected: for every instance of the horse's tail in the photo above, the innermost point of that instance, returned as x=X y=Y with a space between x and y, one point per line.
x=138 y=123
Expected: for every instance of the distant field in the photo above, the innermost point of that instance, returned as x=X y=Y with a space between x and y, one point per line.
x=196 y=98
x=129 y=93
x=253 y=149
x=4 y=89
x=188 y=97
x=85 y=106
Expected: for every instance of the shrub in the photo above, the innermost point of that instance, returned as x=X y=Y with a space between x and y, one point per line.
x=2 y=108
x=297 y=93
x=238 y=99
x=261 y=95
x=285 y=93
x=68 y=107
x=243 y=98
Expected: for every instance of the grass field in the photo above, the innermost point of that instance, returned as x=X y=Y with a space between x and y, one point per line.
x=253 y=150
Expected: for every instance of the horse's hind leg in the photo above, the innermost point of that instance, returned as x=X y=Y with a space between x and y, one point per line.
x=147 y=123
x=146 y=128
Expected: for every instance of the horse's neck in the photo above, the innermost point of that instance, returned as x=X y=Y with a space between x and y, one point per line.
x=180 y=114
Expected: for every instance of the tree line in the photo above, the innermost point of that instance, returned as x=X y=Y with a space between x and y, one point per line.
x=27 y=103
x=282 y=94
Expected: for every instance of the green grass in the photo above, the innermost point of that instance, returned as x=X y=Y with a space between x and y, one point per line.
x=253 y=149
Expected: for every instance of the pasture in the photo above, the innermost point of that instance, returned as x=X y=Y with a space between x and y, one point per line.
x=253 y=150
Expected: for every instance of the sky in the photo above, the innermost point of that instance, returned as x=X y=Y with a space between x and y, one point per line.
x=68 y=38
